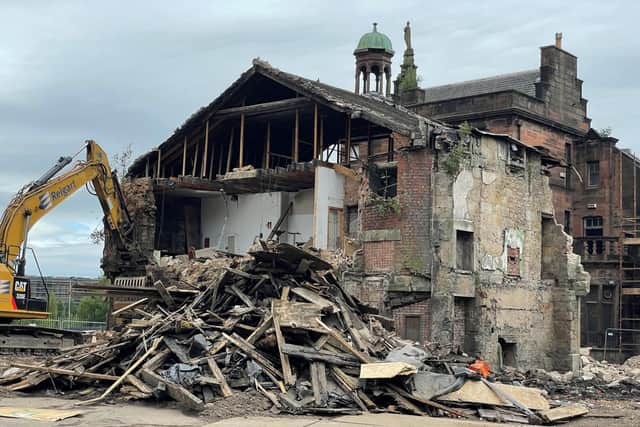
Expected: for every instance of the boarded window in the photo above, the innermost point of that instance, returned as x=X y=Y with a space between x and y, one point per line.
x=334 y=238
x=464 y=250
x=593 y=174
x=413 y=328
x=513 y=261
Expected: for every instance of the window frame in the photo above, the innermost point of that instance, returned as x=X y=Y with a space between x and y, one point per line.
x=591 y=174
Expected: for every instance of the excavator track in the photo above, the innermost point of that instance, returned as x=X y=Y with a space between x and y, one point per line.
x=35 y=340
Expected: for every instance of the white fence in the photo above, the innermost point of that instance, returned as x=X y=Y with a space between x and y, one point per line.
x=74 y=325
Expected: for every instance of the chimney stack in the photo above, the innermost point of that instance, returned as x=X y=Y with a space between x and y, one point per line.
x=559 y=40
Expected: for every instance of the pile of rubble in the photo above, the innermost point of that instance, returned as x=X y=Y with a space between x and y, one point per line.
x=278 y=323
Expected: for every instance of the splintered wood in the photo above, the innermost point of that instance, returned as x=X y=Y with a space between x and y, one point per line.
x=278 y=321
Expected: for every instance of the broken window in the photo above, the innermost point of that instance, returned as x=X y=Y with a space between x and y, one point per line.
x=593 y=174
x=464 y=250
x=231 y=244
x=516 y=156
x=383 y=179
x=352 y=221
x=412 y=328
x=334 y=241
x=513 y=261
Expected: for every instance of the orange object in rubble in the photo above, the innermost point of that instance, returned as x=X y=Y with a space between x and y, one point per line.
x=481 y=367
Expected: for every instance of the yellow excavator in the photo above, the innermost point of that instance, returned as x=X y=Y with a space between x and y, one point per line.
x=36 y=200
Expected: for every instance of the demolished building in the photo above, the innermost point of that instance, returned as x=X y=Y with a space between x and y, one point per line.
x=450 y=229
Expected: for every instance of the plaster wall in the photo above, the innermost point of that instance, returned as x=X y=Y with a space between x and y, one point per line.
x=329 y=193
x=246 y=218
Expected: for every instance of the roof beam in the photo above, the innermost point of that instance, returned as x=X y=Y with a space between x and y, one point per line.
x=264 y=108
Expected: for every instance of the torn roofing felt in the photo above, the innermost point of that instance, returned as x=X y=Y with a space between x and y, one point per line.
x=372 y=107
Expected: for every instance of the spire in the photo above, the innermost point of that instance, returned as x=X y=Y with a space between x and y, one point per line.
x=407 y=79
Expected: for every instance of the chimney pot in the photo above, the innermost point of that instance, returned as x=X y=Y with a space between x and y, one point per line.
x=559 y=40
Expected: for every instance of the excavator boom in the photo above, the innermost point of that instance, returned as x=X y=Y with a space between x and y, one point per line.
x=35 y=201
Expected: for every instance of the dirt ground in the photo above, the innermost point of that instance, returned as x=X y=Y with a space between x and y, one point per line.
x=245 y=410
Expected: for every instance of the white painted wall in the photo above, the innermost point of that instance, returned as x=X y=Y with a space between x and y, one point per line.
x=329 y=193
x=300 y=219
x=246 y=218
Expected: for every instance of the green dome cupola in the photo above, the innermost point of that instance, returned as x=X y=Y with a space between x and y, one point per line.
x=375 y=40
x=373 y=62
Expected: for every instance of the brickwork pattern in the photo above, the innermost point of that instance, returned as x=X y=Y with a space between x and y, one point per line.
x=378 y=256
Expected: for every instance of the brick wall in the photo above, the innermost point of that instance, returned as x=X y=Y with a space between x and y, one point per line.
x=378 y=256
x=422 y=309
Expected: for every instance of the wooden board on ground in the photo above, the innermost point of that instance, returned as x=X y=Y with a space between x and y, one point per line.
x=385 y=370
x=39 y=414
x=562 y=413
x=477 y=392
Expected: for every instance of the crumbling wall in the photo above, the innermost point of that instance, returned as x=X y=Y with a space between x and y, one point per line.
x=140 y=202
x=512 y=313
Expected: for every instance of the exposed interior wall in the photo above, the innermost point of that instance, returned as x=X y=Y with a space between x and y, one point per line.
x=329 y=193
x=299 y=223
x=238 y=221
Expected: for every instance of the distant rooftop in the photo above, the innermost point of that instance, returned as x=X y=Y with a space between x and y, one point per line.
x=523 y=81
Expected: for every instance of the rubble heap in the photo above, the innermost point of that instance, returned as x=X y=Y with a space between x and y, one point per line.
x=278 y=323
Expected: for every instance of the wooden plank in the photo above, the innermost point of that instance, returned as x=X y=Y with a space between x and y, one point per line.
x=346 y=346
x=266 y=107
x=260 y=330
x=245 y=298
x=477 y=392
x=311 y=354
x=184 y=157
x=253 y=353
x=139 y=384
x=404 y=402
x=203 y=172
x=426 y=402
x=217 y=373
x=267 y=150
x=562 y=413
x=156 y=361
x=241 y=155
x=164 y=294
x=324 y=304
x=231 y=135
x=176 y=391
x=128 y=372
x=319 y=383
x=289 y=379
x=59 y=371
x=315 y=131
x=386 y=370
x=130 y=306
x=296 y=137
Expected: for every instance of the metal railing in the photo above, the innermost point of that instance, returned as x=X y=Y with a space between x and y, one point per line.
x=69 y=324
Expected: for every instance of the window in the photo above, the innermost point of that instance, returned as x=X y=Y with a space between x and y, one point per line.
x=567 y=222
x=464 y=250
x=413 y=328
x=593 y=226
x=231 y=244
x=352 y=221
x=384 y=180
x=593 y=174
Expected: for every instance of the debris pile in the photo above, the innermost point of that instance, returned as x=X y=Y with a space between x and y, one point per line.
x=277 y=323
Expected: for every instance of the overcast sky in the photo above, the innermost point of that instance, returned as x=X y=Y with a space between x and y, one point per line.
x=124 y=72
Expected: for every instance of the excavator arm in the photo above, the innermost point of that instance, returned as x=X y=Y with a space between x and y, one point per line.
x=34 y=202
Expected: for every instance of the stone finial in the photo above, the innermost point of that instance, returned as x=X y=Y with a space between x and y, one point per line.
x=559 y=40
x=375 y=27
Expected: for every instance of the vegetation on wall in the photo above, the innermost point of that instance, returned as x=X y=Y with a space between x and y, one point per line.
x=459 y=155
x=383 y=205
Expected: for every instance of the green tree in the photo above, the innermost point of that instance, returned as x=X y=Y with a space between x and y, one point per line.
x=93 y=309
x=53 y=306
